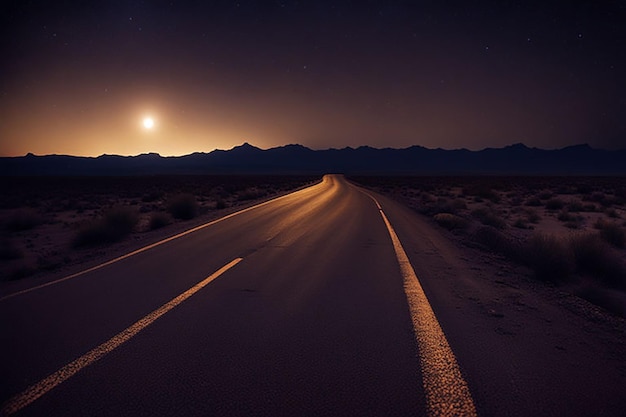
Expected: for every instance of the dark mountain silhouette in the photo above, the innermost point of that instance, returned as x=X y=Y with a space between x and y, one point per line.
x=516 y=159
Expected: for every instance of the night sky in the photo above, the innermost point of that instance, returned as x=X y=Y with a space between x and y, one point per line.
x=79 y=77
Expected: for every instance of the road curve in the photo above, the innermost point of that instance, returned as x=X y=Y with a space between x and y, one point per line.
x=304 y=305
x=312 y=319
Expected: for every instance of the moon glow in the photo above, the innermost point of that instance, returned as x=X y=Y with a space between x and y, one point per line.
x=148 y=122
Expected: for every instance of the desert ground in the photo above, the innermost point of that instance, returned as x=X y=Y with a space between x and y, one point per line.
x=525 y=275
x=566 y=232
x=56 y=225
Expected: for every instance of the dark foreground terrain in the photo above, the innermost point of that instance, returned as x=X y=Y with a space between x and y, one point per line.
x=332 y=300
x=305 y=305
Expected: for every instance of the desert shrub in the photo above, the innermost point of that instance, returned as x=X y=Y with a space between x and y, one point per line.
x=8 y=250
x=575 y=223
x=113 y=226
x=599 y=224
x=49 y=263
x=151 y=196
x=555 y=204
x=533 y=202
x=548 y=257
x=584 y=189
x=574 y=206
x=182 y=206
x=158 y=220
x=444 y=205
x=546 y=194
x=612 y=213
x=572 y=221
x=459 y=204
x=521 y=223
x=494 y=240
x=488 y=218
x=250 y=194
x=532 y=216
x=589 y=207
x=565 y=216
x=516 y=201
x=598 y=197
x=593 y=256
x=25 y=219
x=22 y=271
x=613 y=234
x=450 y=221
x=220 y=204
x=482 y=191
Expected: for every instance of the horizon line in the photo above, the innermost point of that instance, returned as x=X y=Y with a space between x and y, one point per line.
x=244 y=144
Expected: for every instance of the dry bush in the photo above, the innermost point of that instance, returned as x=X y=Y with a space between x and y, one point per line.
x=532 y=216
x=450 y=221
x=548 y=257
x=612 y=213
x=533 y=202
x=575 y=206
x=489 y=218
x=159 y=219
x=8 y=250
x=555 y=204
x=113 y=226
x=589 y=208
x=613 y=234
x=152 y=196
x=521 y=223
x=24 y=219
x=598 y=197
x=182 y=206
x=494 y=240
x=565 y=216
x=482 y=191
x=220 y=204
x=546 y=194
x=594 y=257
x=250 y=194
x=572 y=221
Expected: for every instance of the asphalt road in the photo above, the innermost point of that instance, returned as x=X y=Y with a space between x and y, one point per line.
x=304 y=312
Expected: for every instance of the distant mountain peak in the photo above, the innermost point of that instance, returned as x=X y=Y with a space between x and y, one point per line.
x=246 y=146
x=579 y=147
x=518 y=145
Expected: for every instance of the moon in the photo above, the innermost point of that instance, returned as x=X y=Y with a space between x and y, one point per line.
x=148 y=123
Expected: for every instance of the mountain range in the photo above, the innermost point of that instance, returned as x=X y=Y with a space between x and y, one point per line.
x=515 y=159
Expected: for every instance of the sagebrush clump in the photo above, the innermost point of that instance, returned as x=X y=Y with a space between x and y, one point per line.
x=113 y=226
x=182 y=206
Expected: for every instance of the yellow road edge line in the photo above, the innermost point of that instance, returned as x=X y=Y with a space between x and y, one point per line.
x=153 y=245
x=45 y=385
x=447 y=393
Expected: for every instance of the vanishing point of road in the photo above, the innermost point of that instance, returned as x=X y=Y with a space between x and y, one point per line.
x=307 y=304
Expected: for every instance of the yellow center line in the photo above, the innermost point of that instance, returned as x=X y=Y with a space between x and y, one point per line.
x=447 y=393
x=45 y=385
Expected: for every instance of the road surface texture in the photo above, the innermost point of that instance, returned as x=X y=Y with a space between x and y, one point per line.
x=309 y=304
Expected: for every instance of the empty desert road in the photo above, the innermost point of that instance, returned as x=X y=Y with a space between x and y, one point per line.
x=304 y=305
